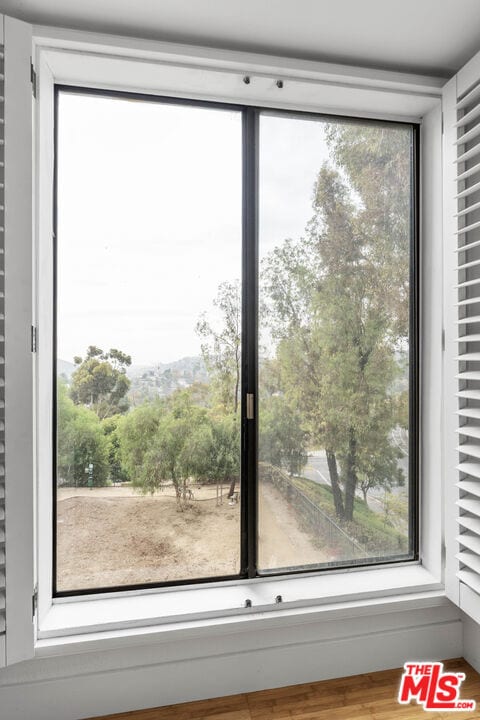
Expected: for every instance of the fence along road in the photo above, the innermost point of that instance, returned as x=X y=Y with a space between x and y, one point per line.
x=311 y=516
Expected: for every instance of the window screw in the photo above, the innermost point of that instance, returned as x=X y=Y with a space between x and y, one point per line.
x=248 y=603
x=278 y=599
x=279 y=84
x=246 y=79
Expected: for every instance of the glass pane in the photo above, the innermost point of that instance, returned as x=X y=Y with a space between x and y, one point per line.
x=335 y=214
x=148 y=342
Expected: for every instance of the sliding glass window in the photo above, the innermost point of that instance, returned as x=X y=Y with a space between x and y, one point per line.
x=235 y=342
x=337 y=368
x=149 y=239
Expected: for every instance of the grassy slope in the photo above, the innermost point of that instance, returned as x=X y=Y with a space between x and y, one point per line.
x=368 y=528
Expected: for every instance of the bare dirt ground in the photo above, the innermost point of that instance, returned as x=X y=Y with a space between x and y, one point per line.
x=282 y=543
x=113 y=536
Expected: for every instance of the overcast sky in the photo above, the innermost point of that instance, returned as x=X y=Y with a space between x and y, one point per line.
x=149 y=217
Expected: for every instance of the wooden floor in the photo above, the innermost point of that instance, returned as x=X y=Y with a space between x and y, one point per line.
x=362 y=697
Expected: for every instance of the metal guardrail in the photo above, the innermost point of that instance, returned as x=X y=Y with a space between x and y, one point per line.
x=313 y=517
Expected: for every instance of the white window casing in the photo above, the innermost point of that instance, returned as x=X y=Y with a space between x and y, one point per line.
x=117 y=63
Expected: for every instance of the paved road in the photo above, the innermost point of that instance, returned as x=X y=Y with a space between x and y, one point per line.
x=317 y=470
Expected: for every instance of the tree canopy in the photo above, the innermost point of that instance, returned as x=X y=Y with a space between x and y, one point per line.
x=221 y=346
x=337 y=305
x=80 y=441
x=100 y=381
x=175 y=440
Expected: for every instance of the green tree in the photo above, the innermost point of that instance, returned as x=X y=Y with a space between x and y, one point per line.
x=80 y=441
x=136 y=432
x=216 y=451
x=380 y=470
x=175 y=441
x=221 y=347
x=337 y=305
x=117 y=471
x=176 y=453
x=100 y=381
x=282 y=438
x=163 y=442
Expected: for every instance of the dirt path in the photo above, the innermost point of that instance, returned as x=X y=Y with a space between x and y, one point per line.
x=282 y=542
x=112 y=536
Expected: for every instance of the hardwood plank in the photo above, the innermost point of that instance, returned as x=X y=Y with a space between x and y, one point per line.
x=372 y=696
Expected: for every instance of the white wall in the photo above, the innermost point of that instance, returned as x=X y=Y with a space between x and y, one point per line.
x=78 y=686
x=471 y=641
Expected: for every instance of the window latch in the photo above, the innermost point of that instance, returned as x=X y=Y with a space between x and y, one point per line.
x=250 y=406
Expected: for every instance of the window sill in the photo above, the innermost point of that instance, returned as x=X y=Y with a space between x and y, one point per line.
x=83 y=624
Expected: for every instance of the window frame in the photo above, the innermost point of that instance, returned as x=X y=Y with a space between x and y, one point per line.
x=55 y=58
x=250 y=286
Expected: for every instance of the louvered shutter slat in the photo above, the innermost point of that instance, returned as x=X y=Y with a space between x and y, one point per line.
x=472 y=375
x=471 y=431
x=464 y=194
x=469 y=486
x=468 y=320
x=467 y=245
x=469 y=301
x=469 y=468
x=471 y=505
x=471 y=98
x=474 y=132
x=470 y=578
x=463 y=176
x=470 y=541
x=468 y=283
x=470 y=208
x=469 y=357
x=470 y=524
x=470 y=449
x=470 y=559
x=468 y=117
x=469 y=264
x=469 y=394
x=473 y=413
x=468 y=154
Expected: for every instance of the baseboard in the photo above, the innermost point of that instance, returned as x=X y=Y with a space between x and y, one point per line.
x=95 y=684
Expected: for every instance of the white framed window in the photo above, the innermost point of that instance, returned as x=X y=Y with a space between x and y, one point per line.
x=181 y=72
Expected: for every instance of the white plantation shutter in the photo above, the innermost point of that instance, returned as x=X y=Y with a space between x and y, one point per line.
x=467 y=232
x=16 y=369
x=462 y=336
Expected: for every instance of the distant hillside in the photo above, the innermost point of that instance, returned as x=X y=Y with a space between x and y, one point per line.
x=65 y=369
x=151 y=381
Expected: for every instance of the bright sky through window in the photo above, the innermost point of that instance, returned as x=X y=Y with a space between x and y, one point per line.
x=136 y=177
